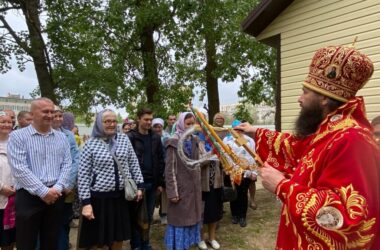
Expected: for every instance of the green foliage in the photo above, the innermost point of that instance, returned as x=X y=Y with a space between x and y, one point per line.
x=9 y=47
x=262 y=87
x=97 y=51
x=98 y=57
x=242 y=113
x=239 y=57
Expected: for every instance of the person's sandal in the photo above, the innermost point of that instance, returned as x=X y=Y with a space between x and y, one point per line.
x=214 y=244
x=202 y=245
x=253 y=206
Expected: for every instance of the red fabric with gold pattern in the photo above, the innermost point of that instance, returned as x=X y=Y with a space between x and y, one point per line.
x=338 y=72
x=331 y=198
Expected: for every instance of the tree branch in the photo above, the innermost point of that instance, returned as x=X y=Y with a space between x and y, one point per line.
x=38 y=29
x=4 y=9
x=17 y=39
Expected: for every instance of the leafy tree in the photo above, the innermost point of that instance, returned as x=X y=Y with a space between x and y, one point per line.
x=137 y=53
x=242 y=113
x=262 y=89
x=221 y=52
x=26 y=45
x=117 y=52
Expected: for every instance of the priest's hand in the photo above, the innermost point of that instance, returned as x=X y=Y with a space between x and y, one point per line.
x=270 y=177
x=247 y=129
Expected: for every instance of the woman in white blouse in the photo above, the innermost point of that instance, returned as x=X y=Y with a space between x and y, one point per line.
x=7 y=192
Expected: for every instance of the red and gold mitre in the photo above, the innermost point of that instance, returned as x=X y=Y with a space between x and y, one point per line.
x=338 y=72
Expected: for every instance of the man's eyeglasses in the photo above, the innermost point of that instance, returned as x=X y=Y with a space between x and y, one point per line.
x=109 y=122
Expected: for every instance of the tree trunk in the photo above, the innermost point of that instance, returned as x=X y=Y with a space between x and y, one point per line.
x=150 y=64
x=211 y=80
x=38 y=51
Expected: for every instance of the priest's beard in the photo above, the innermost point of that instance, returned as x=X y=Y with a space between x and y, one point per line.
x=309 y=120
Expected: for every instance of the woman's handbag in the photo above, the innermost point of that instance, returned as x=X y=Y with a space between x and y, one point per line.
x=229 y=194
x=130 y=187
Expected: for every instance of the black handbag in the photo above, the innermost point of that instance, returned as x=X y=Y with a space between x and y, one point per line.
x=229 y=194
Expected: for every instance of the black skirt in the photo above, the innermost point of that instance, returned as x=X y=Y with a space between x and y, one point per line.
x=213 y=211
x=7 y=237
x=111 y=224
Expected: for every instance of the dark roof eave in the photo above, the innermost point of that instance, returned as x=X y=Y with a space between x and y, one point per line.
x=263 y=15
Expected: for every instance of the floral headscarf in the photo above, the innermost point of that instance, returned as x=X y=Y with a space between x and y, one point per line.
x=180 y=124
x=180 y=129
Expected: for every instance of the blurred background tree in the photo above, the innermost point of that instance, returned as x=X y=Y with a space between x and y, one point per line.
x=139 y=53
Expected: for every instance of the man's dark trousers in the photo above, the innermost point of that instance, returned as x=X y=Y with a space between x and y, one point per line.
x=34 y=217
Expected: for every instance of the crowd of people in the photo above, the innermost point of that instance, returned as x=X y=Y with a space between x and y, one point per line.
x=46 y=168
x=326 y=174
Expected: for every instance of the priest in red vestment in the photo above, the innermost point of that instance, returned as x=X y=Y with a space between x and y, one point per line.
x=327 y=173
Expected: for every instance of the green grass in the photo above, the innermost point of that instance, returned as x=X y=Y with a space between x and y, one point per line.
x=260 y=233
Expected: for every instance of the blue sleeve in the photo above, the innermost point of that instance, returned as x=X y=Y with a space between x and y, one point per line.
x=75 y=155
x=202 y=138
x=63 y=180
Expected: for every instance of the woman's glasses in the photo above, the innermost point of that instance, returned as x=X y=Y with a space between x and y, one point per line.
x=109 y=122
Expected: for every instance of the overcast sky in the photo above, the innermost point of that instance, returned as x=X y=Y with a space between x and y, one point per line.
x=23 y=83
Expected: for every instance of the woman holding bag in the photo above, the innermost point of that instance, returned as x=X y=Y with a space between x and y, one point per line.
x=107 y=157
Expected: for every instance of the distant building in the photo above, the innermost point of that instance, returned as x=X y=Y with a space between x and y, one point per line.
x=265 y=114
x=14 y=102
x=228 y=108
x=261 y=113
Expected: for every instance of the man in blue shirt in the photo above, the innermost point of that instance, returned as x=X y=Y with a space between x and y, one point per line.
x=69 y=191
x=40 y=161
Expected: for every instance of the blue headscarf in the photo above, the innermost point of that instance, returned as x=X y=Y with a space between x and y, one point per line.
x=98 y=131
x=234 y=124
x=68 y=121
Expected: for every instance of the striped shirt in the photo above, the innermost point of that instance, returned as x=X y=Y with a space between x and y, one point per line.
x=39 y=161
